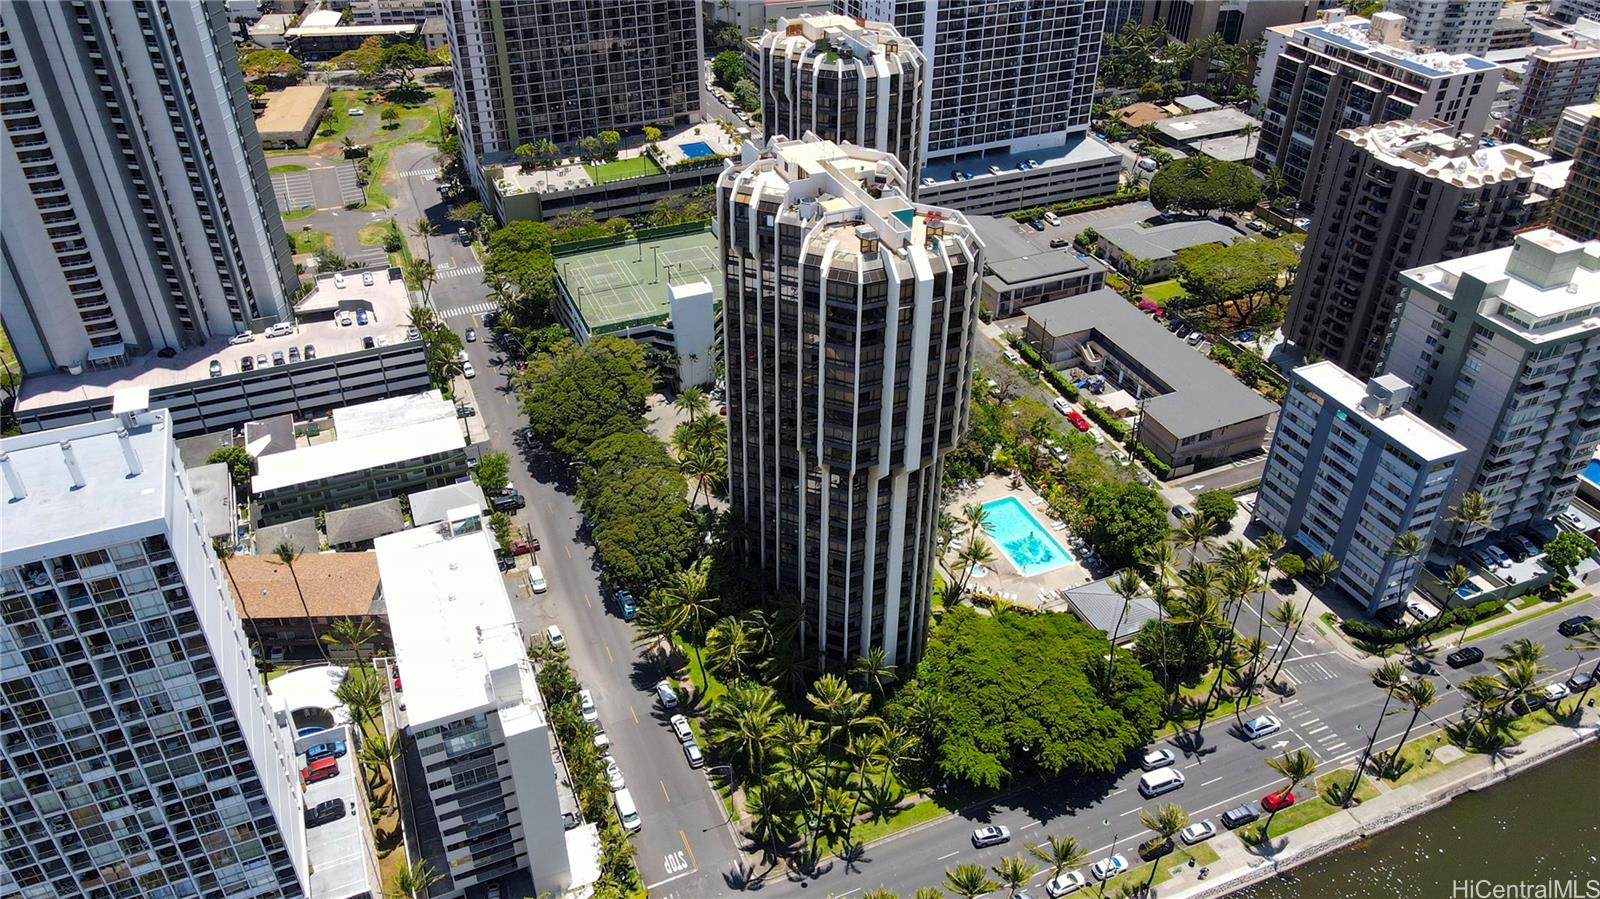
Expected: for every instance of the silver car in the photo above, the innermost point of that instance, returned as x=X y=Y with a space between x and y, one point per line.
x=992 y=835
x=1198 y=832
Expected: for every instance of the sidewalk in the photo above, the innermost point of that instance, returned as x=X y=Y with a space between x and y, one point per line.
x=1238 y=865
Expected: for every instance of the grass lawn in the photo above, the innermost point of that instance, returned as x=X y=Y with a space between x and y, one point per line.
x=1202 y=854
x=373 y=234
x=1197 y=692
x=1163 y=291
x=287 y=167
x=621 y=169
x=910 y=816
x=1337 y=782
x=1417 y=759
x=419 y=124
x=309 y=241
x=294 y=214
x=711 y=689
x=1311 y=806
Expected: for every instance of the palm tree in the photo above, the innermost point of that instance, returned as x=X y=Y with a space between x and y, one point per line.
x=1270 y=544
x=1060 y=853
x=743 y=722
x=287 y=553
x=705 y=467
x=692 y=402
x=360 y=694
x=1195 y=532
x=1518 y=678
x=968 y=880
x=1288 y=619
x=1127 y=586
x=660 y=616
x=874 y=671
x=425 y=229
x=976 y=553
x=416 y=878
x=1297 y=766
x=1418 y=694
x=691 y=590
x=1472 y=514
x=1454 y=578
x=352 y=634
x=876 y=892
x=1321 y=566
x=378 y=753
x=224 y=552
x=730 y=646
x=841 y=710
x=1389 y=677
x=1014 y=872
x=1165 y=821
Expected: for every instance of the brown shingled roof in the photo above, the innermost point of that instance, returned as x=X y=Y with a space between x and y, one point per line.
x=335 y=585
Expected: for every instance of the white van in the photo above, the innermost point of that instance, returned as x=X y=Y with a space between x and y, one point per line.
x=1161 y=780
x=1061 y=405
x=627 y=811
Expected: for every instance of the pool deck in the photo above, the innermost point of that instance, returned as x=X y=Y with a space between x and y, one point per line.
x=1003 y=578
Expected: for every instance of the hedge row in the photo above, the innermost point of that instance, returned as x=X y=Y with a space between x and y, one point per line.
x=1088 y=204
x=1113 y=426
x=1392 y=636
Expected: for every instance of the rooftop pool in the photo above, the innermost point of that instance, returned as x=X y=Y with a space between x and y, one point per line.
x=1591 y=472
x=1022 y=537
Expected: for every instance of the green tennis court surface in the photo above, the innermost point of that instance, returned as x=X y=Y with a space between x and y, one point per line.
x=628 y=283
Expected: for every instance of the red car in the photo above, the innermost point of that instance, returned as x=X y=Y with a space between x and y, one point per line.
x=1078 y=421
x=1274 y=801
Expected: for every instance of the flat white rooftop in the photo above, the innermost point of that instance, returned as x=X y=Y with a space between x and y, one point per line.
x=1549 y=290
x=1401 y=426
x=404 y=428
x=48 y=507
x=452 y=624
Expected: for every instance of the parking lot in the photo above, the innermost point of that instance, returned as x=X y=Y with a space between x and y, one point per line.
x=320 y=186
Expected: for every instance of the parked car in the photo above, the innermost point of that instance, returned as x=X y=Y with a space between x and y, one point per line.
x=332 y=749
x=667 y=695
x=1238 y=816
x=1078 y=421
x=1466 y=655
x=325 y=811
x=1181 y=512
x=277 y=357
x=413 y=334
x=216 y=368
x=1574 y=626
x=355 y=112
x=1528 y=547
x=338 y=280
x=1279 y=800
x=1154 y=848
x=281 y=329
x=1013 y=357
x=1109 y=867
x=294 y=354
x=361 y=316
x=1057 y=243
x=991 y=835
x=368 y=343
x=1158 y=758
x=246 y=337
x=311 y=352
x=1061 y=405
x=614 y=774
x=461 y=235
x=247 y=364
x=1064 y=883
x=626 y=605
x=472 y=335
x=586 y=706
x=1195 y=338
x=692 y=754
x=1261 y=726
x=602 y=740
x=507 y=501
x=1580 y=681
x=366 y=279
x=552 y=634
x=680 y=727
x=536 y=580
x=1198 y=832
x=467 y=371
x=1554 y=693
x=1052 y=218
x=321 y=769
x=1161 y=780
x=1572 y=520
x=1501 y=558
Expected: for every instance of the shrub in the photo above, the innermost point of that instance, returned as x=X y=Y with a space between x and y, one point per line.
x=1390 y=636
x=1219 y=504
x=1291 y=565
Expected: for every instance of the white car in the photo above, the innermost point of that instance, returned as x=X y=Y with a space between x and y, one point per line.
x=693 y=755
x=1198 y=832
x=614 y=774
x=680 y=726
x=602 y=741
x=366 y=279
x=1261 y=726
x=993 y=835
x=667 y=695
x=281 y=329
x=587 y=707
x=356 y=111
x=346 y=319
x=1110 y=867
x=553 y=635
x=1554 y=693
x=1066 y=882
x=1013 y=357
x=246 y=337
x=338 y=280
x=1052 y=218
x=467 y=371
x=536 y=581
x=1501 y=559
x=1158 y=758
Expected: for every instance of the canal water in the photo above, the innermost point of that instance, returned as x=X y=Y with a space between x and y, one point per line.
x=1540 y=826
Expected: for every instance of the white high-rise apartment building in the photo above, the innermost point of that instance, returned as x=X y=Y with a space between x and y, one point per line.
x=482 y=770
x=138 y=214
x=1009 y=86
x=1454 y=26
x=140 y=754
x=848 y=324
x=1349 y=471
x=1504 y=347
x=1317 y=78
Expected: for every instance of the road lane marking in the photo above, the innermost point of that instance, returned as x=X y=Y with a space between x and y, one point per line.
x=567 y=548
x=689 y=849
x=1129 y=812
x=1319 y=729
x=608 y=652
x=675 y=862
x=1211 y=781
x=1339 y=745
x=664 y=790
x=651 y=886
x=1026 y=826
x=948 y=855
x=634 y=714
x=590 y=605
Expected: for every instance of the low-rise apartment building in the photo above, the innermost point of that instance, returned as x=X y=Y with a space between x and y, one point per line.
x=1021 y=268
x=1349 y=471
x=1504 y=347
x=1194 y=413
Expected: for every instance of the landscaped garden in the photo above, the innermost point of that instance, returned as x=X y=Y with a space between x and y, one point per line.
x=622 y=169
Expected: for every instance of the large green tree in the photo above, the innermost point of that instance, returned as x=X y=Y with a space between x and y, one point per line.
x=575 y=395
x=1015 y=694
x=1247 y=283
x=644 y=530
x=728 y=67
x=1200 y=184
x=1565 y=552
x=275 y=64
x=1127 y=521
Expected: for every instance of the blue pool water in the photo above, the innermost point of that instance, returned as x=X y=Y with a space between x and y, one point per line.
x=1591 y=472
x=1021 y=537
x=697 y=150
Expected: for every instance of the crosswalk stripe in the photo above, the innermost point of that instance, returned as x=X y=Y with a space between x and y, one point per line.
x=1339 y=745
x=464 y=270
x=422 y=173
x=474 y=309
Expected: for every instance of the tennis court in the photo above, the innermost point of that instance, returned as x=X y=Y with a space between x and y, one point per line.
x=629 y=282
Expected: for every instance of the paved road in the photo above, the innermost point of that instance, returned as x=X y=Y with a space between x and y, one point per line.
x=684 y=823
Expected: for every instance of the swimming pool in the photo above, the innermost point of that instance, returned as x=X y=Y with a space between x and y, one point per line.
x=1591 y=472
x=1022 y=538
x=697 y=150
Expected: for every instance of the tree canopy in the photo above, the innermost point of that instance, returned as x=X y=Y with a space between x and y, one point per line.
x=1567 y=550
x=1201 y=184
x=1247 y=283
x=241 y=465
x=365 y=60
x=493 y=472
x=728 y=68
x=630 y=488
x=1127 y=520
x=1219 y=504
x=271 y=64
x=1017 y=694
x=576 y=395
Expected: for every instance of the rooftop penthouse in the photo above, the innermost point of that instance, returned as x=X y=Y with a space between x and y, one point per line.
x=1379 y=41
x=1432 y=149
